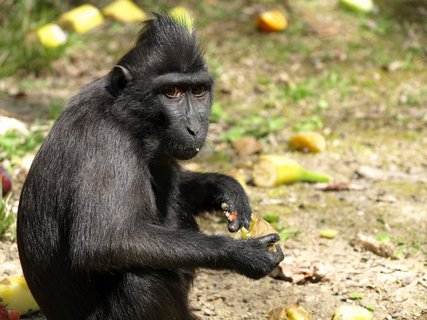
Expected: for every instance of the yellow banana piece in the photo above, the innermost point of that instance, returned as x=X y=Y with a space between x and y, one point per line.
x=274 y=170
x=15 y=294
x=82 y=19
x=124 y=11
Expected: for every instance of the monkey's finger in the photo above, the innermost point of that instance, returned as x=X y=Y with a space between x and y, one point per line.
x=225 y=206
x=234 y=225
x=246 y=223
x=270 y=239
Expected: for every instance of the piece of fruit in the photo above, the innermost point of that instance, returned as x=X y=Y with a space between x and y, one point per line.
x=183 y=16
x=296 y=312
x=350 y=312
x=14 y=315
x=124 y=11
x=307 y=141
x=274 y=170
x=82 y=19
x=271 y=21
x=6 y=183
x=358 y=5
x=258 y=228
x=291 y=312
x=4 y=315
x=15 y=294
x=51 y=35
x=328 y=233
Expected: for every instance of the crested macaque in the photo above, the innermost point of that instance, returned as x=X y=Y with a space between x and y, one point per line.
x=106 y=220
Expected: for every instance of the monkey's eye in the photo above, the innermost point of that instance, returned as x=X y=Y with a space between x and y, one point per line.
x=199 y=91
x=173 y=93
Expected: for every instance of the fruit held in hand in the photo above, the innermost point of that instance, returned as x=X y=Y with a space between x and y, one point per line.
x=258 y=228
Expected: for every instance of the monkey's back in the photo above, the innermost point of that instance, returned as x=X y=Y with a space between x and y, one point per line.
x=72 y=157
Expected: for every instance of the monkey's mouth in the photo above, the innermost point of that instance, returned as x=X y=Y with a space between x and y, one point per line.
x=187 y=153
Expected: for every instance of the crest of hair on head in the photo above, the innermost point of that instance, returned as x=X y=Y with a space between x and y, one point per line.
x=166 y=45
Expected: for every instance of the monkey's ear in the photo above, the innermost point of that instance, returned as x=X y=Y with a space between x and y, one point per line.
x=117 y=80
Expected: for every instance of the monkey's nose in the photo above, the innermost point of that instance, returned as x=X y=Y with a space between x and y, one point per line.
x=192 y=131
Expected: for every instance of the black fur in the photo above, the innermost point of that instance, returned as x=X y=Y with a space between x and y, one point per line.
x=106 y=225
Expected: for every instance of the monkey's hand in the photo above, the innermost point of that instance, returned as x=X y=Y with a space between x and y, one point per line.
x=237 y=211
x=254 y=257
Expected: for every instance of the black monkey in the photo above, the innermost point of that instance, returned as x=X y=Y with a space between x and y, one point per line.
x=106 y=226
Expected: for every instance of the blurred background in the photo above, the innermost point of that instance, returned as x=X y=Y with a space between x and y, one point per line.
x=353 y=72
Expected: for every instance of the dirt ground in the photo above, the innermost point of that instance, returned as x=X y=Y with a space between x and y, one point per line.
x=373 y=83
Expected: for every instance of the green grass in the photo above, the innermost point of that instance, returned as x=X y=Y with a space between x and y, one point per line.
x=19 y=47
x=6 y=217
x=252 y=125
x=14 y=144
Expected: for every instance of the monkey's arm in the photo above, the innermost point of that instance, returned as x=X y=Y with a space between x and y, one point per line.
x=132 y=246
x=208 y=191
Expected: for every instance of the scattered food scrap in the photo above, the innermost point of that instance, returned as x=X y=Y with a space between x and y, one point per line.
x=358 y=5
x=350 y=312
x=383 y=249
x=6 y=182
x=82 y=19
x=296 y=312
x=274 y=170
x=14 y=293
x=8 y=314
x=308 y=141
x=246 y=146
x=271 y=21
x=339 y=186
x=51 y=35
x=124 y=11
x=328 y=233
x=300 y=272
x=291 y=312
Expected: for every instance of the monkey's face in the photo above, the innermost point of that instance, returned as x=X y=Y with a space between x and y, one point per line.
x=186 y=108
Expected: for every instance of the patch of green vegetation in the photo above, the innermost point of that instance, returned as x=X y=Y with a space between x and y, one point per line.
x=299 y=91
x=253 y=125
x=55 y=108
x=356 y=295
x=312 y=123
x=288 y=233
x=218 y=113
x=271 y=217
x=383 y=237
x=16 y=144
x=19 y=47
x=6 y=216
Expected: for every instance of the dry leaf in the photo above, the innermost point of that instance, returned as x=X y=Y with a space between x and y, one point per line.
x=339 y=186
x=300 y=273
x=247 y=145
x=383 y=249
